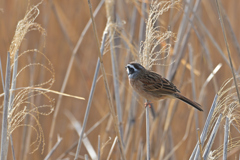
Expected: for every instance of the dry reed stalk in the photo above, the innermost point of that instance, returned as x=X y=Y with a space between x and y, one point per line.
x=27 y=132
x=110 y=101
x=128 y=57
x=196 y=150
x=209 y=60
x=172 y=69
x=212 y=137
x=184 y=137
x=17 y=116
x=226 y=106
x=85 y=135
x=200 y=144
x=228 y=50
x=142 y=29
x=99 y=147
x=13 y=87
x=20 y=96
x=148 y=56
x=2 y=78
x=86 y=157
x=148 y=133
x=69 y=68
x=140 y=151
x=208 y=33
x=110 y=9
x=78 y=128
x=65 y=25
x=164 y=129
x=210 y=77
x=92 y=90
x=54 y=148
x=5 y=125
x=193 y=83
x=111 y=150
x=225 y=144
x=142 y=38
x=233 y=35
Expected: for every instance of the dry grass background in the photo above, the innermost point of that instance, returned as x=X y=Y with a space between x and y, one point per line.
x=64 y=22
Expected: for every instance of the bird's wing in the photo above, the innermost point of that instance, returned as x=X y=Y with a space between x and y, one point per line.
x=153 y=82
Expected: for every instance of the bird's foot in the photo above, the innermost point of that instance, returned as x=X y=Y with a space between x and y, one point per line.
x=149 y=104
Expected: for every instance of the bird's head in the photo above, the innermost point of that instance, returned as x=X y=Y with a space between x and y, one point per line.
x=134 y=70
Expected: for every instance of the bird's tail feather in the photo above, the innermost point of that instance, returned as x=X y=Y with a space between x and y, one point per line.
x=188 y=101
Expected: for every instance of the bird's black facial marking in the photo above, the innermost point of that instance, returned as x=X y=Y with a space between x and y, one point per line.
x=133 y=70
x=130 y=70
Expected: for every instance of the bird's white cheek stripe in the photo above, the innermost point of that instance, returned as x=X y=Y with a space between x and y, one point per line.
x=130 y=76
x=128 y=70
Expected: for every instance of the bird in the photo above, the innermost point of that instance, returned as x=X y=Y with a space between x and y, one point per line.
x=152 y=86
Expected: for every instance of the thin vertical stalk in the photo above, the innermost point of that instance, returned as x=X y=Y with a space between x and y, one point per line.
x=86 y=157
x=67 y=75
x=211 y=38
x=181 y=45
x=85 y=135
x=13 y=87
x=78 y=127
x=13 y=152
x=132 y=23
x=116 y=88
x=200 y=144
x=233 y=35
x=208 y=58
x=138 y=137
x=53 y=149
x=147 y=133
x=212 y=137
x=140 y=151
x=109 y=97
x=111 y=18
x=228 y=50
x=27 y=131
x=225 y=144
x=210 y=77
x=142 y=29
x=193 y=83
x=186 y=135
x=92 y=91
x=4 y=138
x=2 y=74
x=111 y=150
x=99 y=148
x=205 y=128
x=142 y=37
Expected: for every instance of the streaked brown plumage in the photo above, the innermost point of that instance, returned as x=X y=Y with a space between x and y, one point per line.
x=153 y=86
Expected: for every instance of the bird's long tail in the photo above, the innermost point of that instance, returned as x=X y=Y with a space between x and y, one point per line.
x=188 y=101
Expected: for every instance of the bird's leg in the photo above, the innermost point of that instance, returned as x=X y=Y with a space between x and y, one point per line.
x=148 y=104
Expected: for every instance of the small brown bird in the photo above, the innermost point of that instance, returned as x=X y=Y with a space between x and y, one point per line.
x=153 y=86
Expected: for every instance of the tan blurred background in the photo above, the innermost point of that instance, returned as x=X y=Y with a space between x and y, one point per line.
x=64 y=22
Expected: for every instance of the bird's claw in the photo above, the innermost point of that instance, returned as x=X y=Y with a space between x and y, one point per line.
x=149 y=104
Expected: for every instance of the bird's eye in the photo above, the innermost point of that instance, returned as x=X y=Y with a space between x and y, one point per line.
x=131 y=70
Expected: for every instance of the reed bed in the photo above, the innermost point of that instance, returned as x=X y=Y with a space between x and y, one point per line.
x=65 y=91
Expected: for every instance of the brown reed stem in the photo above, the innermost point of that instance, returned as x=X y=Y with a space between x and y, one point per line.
x=228 y=50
